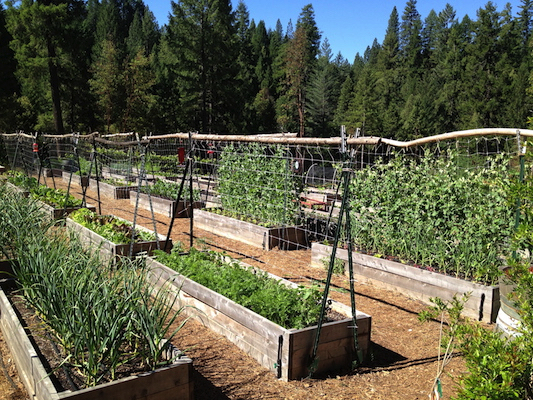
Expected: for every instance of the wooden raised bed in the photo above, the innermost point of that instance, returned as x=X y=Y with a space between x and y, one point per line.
x=52 y=172
x=418 y=283
x=286 y=238
x=115 y=192
x=286 y=352
x=76 y=179
x=109 y=249
x=171 y=382
x=58 y=213
x=2 y=169
x=163 y=206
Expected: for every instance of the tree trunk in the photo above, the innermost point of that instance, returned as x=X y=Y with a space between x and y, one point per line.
x=54 y=86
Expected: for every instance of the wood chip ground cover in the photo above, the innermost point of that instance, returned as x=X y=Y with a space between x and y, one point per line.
x=405 y=350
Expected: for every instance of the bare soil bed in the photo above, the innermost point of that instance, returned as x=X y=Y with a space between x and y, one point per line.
x=405 y=351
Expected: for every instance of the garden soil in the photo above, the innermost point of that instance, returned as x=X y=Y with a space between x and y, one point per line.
x=405 y=352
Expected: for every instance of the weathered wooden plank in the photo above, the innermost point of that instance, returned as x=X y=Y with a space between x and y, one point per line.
x=291 y=237
x=163 y=206
x=254 y=334
x=76 y=179
x=29 y=366
x=418 y=283
x=115 y=192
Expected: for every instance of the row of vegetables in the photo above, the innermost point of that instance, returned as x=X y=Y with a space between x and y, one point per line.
x=104 y=313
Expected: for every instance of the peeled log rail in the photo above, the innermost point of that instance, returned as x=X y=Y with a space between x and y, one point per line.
x=289 y=138
x=365 y=140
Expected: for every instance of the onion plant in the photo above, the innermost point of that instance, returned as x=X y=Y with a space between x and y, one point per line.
x=21 y=219
x=101 y=316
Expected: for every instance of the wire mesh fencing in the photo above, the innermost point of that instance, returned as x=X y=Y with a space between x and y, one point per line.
x=440 y=203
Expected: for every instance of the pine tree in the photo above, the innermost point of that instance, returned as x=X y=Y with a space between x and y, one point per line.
x=40 y=32
x=321 y=102
x=106 y=83
x=202 y=39
x=9 y=88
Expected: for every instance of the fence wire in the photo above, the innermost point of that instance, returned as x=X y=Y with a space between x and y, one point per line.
x=283 y=182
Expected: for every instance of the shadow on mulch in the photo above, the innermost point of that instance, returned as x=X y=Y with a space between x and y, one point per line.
x=205 y=390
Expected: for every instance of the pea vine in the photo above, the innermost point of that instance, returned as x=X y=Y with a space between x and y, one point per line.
x=169 y=190
x=435 y=213
x=255 y=182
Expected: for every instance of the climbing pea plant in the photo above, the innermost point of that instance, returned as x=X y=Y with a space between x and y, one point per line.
x=255 y=181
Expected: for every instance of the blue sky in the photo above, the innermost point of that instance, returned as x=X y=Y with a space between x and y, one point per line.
x=349 y=25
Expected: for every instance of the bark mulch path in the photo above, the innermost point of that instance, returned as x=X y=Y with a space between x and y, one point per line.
x=405 y=351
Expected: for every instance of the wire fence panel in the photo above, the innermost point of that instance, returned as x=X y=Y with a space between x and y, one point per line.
x=437 y=203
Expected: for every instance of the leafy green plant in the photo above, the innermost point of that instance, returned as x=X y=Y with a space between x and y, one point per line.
x=288 y=307
x=255 y=181
x=167 y=165
x=338 y=265
x=435 y=214
x=51 y=196
x=110 y=227
x=169 y=190
x=117 y=182
x=499 y=367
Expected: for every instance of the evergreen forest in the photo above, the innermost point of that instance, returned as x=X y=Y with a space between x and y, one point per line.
x=108 y=66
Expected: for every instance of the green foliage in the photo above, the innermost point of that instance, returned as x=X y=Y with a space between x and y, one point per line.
x=499 y=367
x=338 y=265
x=163 y=165
x=288 y=307
x=255 y=181
x=54 y=197
x=432 y=75
x=19 y=212
x=111 y=228
x=435 y=213
x=100 y=316
x=169 y=190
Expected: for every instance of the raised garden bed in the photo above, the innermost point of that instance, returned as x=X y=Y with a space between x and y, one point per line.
x=285 y=238
x=174 y=381
x=109 y=249
x=108 y=190
x=418 y=283
x=164 y=206
x=52 y=172
x=54 y=212
x=58 y=213
x=76 y=179
x=286 y=352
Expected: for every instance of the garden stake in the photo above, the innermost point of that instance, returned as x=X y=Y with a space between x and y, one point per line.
x=140 y=178
x=95 y=152
x=178 y=197
x=521 y=153
x=344 y=211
